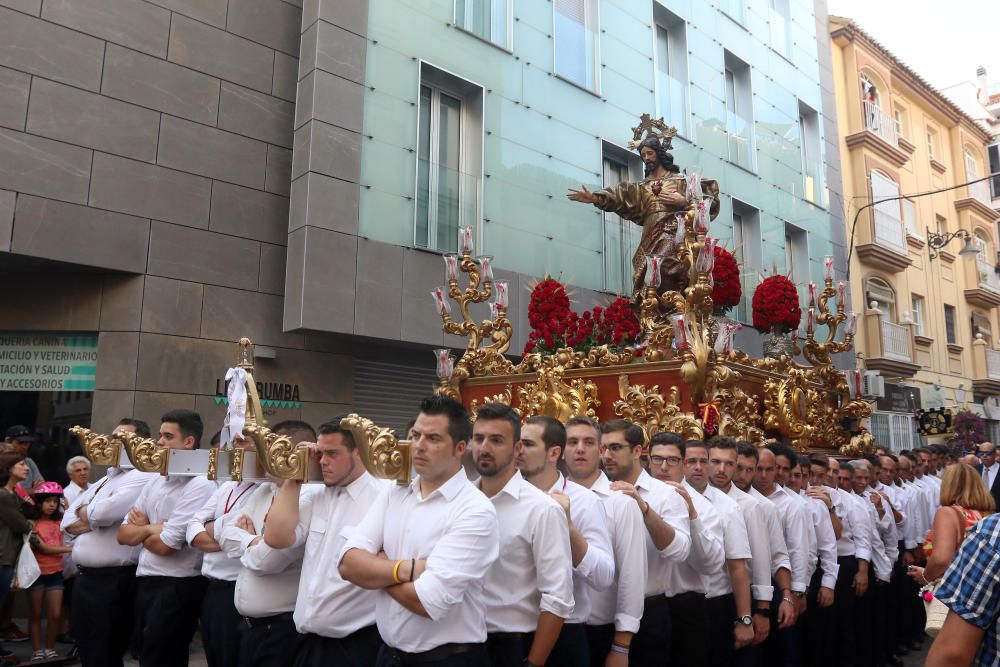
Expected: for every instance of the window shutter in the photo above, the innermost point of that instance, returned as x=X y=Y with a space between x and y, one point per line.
x=390 y=393
x=574 y=10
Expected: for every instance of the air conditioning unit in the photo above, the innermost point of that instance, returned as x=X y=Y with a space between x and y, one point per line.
x=872 y=385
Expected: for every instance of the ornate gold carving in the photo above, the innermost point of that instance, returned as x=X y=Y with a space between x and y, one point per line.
x=101 y=449
x=382 y=454
x=236 y=464
x=740 y=415
x=554 y=397
x=144 y=453
x=505 y=397
x=655 y=412
x=861 y=444
x=818 y=353
x=277 y=454
x=213 y=464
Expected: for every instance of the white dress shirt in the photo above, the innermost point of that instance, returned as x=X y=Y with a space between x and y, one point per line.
x=223 y=505
x=268 y=582
x=455 y=529
x=622 y=603
x=795 y=526
x=669 y=505
x=990 y=474
x=887 y=529
x=881 y=563
x=780 y=551
x=596 y=572
x=855 y=540
x=760 y=544
x=824 y=542
x=71 y=492
x=917 y=508
x=107 y=501
x=736 y=543
x=895 y=494
x=708 y=555
x=172 y=501
x=534 y=572
x=328 y=605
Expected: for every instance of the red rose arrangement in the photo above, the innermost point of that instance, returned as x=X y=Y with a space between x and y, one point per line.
x=555 y=325
x=776 y=305
x=726 y=291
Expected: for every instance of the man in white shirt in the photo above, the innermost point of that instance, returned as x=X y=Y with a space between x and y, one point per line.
x=783 y=646
x=723 y=463
x=529 y=588
x=688 y=589
x=862 y=528
x=268 y=580
x=78 y=469
x=104 y=592
x=668 y=540
x=169 y=585
x=616 y=612
x=543 y=441
x=220 y=622
x=335 y=617
x=729 y=618
x=883 y=556
x=439 y=535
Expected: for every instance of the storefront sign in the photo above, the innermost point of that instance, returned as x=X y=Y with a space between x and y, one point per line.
x=899 y=399
x=47 y=362
x=272 y=394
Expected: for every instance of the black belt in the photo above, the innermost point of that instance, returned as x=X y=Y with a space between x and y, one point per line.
x=220 y=583
x=654 y=600
x=267 y=620
x=687 y=596
x=508 y=636
x=106 y=571
x=433 y=655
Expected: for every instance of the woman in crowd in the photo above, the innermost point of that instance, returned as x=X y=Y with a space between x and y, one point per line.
x=964 y=501
x=13 y=524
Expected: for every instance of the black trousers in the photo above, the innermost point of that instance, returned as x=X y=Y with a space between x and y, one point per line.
x=102 y=617
x=476 y=657
x=267 y=642
x=571 y=649
x=880 y=611
x=168 y=609
x=863 y=622
x=220 y=624
x=508 y=649
x=599 y=640
x=818 y=633
x=358 y=649
x=721 y=619
x=651 y=645
x=781 y=646
x=689 y=630
x=844 y=611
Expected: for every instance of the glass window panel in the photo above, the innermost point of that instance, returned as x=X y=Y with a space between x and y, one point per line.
x=917 y=311
x=449 y=174
x=574 y=41
x=949 y=325
x=423 y=167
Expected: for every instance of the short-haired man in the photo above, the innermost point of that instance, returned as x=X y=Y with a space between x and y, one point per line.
x=268 y=580
x=21 y=438
x=989 y=469
x=722 y=464
x=854 y=555
x=529 y=588
x=169 y=585
x=440 y=536
x=689 y=579
x=104 y=590
x=729 y=618
x=668 y=536
x=335 y=617
x=616 y=612
x=78 y=470
x=543 y=440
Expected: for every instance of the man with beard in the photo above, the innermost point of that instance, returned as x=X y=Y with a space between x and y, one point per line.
x=543 y=440
x=722 y=468
x=614 y=618
x=668 y=537
x=268 y=580
x=730 y=621
x=335 y=618
x=529 y=588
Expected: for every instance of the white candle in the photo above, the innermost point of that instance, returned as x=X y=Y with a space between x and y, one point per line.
x=486 y=262
x=812 y=295
x=444 y=308
x=451 y=266
x=681 y=228
x=502 y=293
x=445 y=363
x=706 y=258
x=465 y=239
x=828 y=268
x=652 y=278
x=810 y=320
x=852 y=324
x=842 y=293
x=680 y=332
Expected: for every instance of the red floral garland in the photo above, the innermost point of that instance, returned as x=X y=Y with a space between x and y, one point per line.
x=776 y=305
x=555 y=325
x=726 y=291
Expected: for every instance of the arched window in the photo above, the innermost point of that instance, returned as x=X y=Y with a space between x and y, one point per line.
x=869 y=91
x=983 y=246
x=879 y=294
x=876 y=115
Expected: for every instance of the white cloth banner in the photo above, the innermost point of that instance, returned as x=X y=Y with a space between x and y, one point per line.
x=236 y=411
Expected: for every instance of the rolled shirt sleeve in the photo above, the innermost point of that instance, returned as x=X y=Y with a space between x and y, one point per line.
x=674 y=512
x=205 y=514
x=597 y=566
x=196 y=493
x=108 y=509
x=630 y=556
x=553 y=562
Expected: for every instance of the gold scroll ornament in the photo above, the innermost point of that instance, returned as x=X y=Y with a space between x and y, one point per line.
x=383 y=455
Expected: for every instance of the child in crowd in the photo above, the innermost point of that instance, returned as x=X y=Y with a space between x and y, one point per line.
x=47 y=543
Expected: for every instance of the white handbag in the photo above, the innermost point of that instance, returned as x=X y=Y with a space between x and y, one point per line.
x=936 y=610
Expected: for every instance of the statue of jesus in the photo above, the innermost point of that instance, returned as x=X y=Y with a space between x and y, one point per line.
x=652 y=204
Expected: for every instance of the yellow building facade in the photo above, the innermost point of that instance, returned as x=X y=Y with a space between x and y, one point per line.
x=928 y=319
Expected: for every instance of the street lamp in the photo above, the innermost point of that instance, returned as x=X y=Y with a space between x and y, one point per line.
x=937 y=240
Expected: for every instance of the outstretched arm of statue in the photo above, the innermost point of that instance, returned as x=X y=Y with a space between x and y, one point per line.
x=582 y=195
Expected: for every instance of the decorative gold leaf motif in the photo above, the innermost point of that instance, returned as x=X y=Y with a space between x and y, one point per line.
x=101 y=449
x=553 y=397
x=278 y=455
x=382 y=454
x=655 y=412
x=505 y=397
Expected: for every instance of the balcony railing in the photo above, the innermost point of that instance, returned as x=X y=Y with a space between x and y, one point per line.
x=981 y=192
x=988 y=277
x=895 y=341
x=993 y=364
x=880 y=123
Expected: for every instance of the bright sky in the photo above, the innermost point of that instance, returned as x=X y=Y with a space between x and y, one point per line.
x=944 y=42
